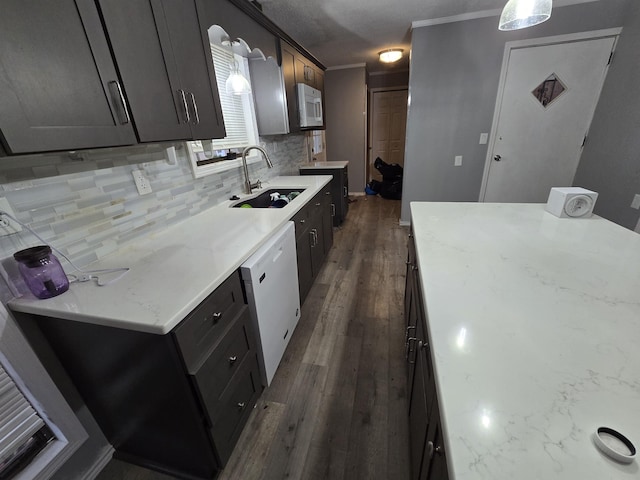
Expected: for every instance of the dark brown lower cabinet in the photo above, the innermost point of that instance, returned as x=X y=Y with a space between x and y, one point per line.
x=175 y=403
x=314 y=238
x=428 y=459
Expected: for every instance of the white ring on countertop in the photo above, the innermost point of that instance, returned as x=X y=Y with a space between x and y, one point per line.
x=614 y=445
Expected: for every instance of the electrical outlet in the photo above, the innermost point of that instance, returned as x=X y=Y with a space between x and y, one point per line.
x=484 y=137
x=7 y=226
x=636 y=201
x=142 y=184
x=458 y=161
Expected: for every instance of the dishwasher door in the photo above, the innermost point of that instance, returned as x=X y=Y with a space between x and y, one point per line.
x=270 y=276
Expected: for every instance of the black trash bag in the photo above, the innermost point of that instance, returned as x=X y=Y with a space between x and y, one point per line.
x=391 y=185
x=391 y=190
x=375 y=185
x=389 y=172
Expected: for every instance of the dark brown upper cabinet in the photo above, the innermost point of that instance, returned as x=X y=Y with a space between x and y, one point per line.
x=59 y=89
x=297 y=68
x=162 y=52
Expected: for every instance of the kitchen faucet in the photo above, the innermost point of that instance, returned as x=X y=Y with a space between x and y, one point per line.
x=247 y=183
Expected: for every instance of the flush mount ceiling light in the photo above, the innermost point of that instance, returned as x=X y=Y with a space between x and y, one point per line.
x=391 y=55
x=524 y=13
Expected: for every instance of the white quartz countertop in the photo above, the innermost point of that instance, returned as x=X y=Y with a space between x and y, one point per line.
x=173 y=271
x=328 y=165
x=535 y=332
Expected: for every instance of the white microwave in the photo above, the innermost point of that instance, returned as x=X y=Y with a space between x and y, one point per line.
x=309 y=106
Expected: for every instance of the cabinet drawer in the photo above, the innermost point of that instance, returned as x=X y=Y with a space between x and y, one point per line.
x=199 y=333
x=235 y=406
x=217 y=370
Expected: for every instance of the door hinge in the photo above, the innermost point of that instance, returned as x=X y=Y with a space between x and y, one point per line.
x=584 y=141
x=610 y=58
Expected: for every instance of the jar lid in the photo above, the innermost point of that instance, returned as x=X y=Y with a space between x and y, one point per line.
x=33 y=254
x=614 y=444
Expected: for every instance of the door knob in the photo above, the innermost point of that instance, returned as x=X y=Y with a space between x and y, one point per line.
x=497 y=158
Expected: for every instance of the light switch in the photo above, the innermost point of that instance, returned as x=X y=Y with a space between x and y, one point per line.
x=484 y=137
x=458 y=161
x=636 y=202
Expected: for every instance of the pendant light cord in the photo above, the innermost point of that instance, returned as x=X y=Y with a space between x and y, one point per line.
x=81 y=275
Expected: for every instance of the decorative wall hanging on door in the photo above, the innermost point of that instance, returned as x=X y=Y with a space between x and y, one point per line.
x=549 y=90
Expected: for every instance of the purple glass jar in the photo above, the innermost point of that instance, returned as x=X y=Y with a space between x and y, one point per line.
x=42 y=271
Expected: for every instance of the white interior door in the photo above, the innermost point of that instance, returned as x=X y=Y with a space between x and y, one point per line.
x=389 y=123
x=549 y=95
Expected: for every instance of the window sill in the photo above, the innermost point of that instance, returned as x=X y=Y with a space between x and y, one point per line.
x=200 y=171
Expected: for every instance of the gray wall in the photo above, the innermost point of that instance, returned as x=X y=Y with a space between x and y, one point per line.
x=346 y=106
x=453 y=84
x=610 y=163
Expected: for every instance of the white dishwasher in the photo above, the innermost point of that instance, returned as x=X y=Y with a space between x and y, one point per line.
x=271 y=281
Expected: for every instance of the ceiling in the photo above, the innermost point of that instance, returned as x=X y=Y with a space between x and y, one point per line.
x=346 y=32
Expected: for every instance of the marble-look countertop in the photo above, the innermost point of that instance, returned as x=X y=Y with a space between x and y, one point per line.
x=328 y=165
x=173 y=271
x=535 y=332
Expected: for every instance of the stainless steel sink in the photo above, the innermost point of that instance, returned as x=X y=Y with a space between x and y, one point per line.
x=264 y=199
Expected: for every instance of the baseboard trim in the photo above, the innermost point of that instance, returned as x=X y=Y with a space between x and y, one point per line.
x=356 y=194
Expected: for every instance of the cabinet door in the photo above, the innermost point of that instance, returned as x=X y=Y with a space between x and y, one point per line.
x=418 y=418
x=316 y=233
x=288 y=57
x=328 y=209
x=192 y=53
x=305 y=272
x=58 y=84
x=140 y=40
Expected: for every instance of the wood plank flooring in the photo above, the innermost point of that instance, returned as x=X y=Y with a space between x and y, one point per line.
x=336 y=408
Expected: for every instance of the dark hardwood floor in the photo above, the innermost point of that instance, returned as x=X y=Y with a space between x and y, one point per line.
x=336 y=408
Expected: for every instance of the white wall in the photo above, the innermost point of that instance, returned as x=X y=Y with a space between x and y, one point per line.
x=453 y=84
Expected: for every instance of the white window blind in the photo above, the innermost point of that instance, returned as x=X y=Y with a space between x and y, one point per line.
x=18 y=419
x=236 y=118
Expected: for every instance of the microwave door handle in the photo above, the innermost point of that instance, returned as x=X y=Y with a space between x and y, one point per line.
x=318 y=108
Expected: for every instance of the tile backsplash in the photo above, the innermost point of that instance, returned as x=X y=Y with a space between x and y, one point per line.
x=86 y=203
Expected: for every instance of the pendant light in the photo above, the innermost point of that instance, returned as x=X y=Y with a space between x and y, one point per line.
x=236 y=84
x=524 y=13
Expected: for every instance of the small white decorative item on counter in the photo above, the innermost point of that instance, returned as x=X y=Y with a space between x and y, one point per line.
x=614 y=445
x=571 y=202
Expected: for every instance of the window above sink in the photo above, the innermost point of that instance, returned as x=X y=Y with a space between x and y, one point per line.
x=214 y=156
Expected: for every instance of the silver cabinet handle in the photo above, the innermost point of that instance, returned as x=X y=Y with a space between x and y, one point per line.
x=327 y=193
x=333 y=209
x=195 y=108
x=233 y=359
x=241 y=406
x=313 y=240
x=430 y=449
x=186 y=108
x=346 y=194
x=123 y=112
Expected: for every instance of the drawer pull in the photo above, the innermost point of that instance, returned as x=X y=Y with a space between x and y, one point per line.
x=327 y=193
x=241 y=406
x=302 y=221
x=318 y=204
x=233 y=359
x=216 y=317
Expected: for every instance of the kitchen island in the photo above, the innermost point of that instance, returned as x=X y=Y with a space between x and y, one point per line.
x=534 y=327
